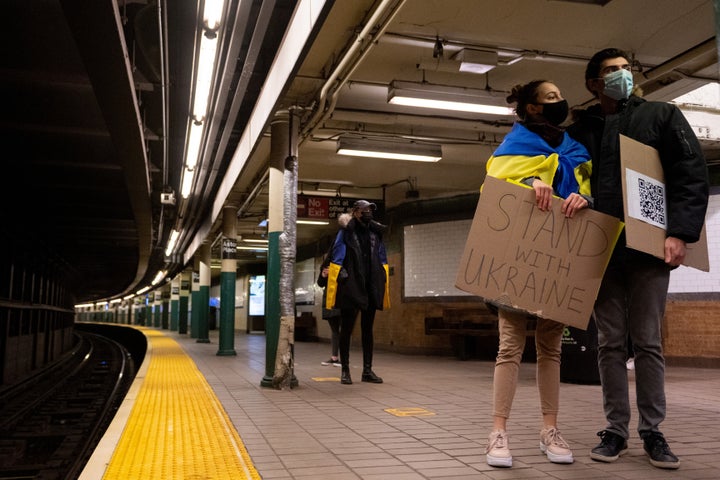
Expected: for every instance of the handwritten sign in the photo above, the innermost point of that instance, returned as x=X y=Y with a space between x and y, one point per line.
x=539 y=262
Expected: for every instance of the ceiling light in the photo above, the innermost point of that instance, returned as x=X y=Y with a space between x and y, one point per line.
x=313 y=222
x=476 y=61
x=442 y=97
x=392 y=149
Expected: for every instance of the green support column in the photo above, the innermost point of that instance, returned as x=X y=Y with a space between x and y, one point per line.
x=175 y=303
x=272 y=306
x=136 y=310
x=148 y=301
x=195 y=299
x=184 y=302
x=165 y=307
x=204 y=294
x=228 y=278
x=157 y=304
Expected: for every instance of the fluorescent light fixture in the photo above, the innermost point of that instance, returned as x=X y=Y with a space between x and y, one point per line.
x=254 y=249
x=158 y=277
x=392 y=149
x=442 y=97
x=313 y=222
x=194 y=142
x=254 y=240
x=171 y=242
x=211 y=14
x=142 y=290
x=187 y=181
x=476 y=61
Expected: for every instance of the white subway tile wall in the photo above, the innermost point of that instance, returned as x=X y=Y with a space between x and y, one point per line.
x=690 y=280
x=432 y=254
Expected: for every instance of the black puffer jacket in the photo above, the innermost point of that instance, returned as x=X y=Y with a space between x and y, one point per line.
x=358 y=279
x=663 y=127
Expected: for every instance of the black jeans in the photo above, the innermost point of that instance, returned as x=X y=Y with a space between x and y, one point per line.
x=347 y=323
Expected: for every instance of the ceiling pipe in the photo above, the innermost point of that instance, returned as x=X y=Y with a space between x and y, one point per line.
x=349 y=61
x=707 y=47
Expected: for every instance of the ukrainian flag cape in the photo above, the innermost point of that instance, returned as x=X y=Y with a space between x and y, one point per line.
x=567 y=166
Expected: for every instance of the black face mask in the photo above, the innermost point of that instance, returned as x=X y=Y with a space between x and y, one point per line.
x=366 y=217
x=556 y=112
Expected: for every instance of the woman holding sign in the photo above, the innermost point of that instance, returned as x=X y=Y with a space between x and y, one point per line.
x=538 y=154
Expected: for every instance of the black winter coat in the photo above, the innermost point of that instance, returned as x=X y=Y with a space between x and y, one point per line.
x=663 y=127
x=362 y=280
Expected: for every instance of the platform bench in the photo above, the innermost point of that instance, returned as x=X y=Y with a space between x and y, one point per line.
x=465 y=324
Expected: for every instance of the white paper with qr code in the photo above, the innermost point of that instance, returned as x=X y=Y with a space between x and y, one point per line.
x=643 y=184
x=646 y=198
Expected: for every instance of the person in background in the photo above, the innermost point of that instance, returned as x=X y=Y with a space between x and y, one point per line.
x=332 y=315
x=358 y=281
x=537 y=154
x=632 y=296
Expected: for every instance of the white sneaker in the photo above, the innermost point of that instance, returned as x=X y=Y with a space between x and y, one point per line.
x=630 y=363
x=554 y=446
x=497 y=452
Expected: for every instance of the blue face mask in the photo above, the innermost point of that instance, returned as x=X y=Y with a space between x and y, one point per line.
x=618 y=84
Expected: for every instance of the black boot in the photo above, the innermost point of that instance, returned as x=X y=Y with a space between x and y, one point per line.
x=345 y=376
x=369 y=376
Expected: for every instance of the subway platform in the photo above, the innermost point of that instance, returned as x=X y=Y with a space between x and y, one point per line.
x=194 y=415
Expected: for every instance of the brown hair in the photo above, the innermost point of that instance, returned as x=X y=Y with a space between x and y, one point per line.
x=523 y=95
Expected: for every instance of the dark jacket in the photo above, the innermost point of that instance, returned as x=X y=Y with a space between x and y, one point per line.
x=663 y=127
x=357 y=280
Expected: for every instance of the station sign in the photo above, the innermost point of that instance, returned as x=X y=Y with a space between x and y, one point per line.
x=329 y=208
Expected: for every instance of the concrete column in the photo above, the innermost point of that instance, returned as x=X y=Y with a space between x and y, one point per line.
x=283 y=144
x=228 y=278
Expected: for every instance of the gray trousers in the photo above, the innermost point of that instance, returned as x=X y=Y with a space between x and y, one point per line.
x=631 y=301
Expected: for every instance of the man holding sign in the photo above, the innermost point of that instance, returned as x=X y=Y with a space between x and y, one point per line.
x=632 y=297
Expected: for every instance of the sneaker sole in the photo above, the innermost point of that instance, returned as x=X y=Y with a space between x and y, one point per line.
x=499 y=461
x=554 y=458
x=606 y=459
x=664 y=465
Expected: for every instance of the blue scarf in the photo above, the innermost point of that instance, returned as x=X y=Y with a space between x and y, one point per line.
x=521 y=141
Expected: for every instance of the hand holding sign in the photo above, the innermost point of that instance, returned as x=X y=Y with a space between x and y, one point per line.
x=540 y=262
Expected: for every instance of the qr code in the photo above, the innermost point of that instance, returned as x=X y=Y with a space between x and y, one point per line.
x=652 y=201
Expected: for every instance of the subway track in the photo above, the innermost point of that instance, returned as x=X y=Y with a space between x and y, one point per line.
x=51 y=423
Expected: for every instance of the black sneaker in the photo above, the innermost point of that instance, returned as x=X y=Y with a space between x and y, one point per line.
x=610 y=448
x=659 y=452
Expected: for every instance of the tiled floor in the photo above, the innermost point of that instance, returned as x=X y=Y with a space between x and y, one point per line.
x=325 y=430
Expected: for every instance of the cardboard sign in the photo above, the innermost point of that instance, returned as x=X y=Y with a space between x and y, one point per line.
x=539 y=262
x=645 y=205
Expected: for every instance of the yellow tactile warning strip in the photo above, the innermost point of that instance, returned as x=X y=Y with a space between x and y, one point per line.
x=326 y=379
x=177 y=428
x=409 y=412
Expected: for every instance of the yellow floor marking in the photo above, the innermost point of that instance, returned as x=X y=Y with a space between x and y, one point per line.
x=410 y=412
x=326 y=379
x=178 y=428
